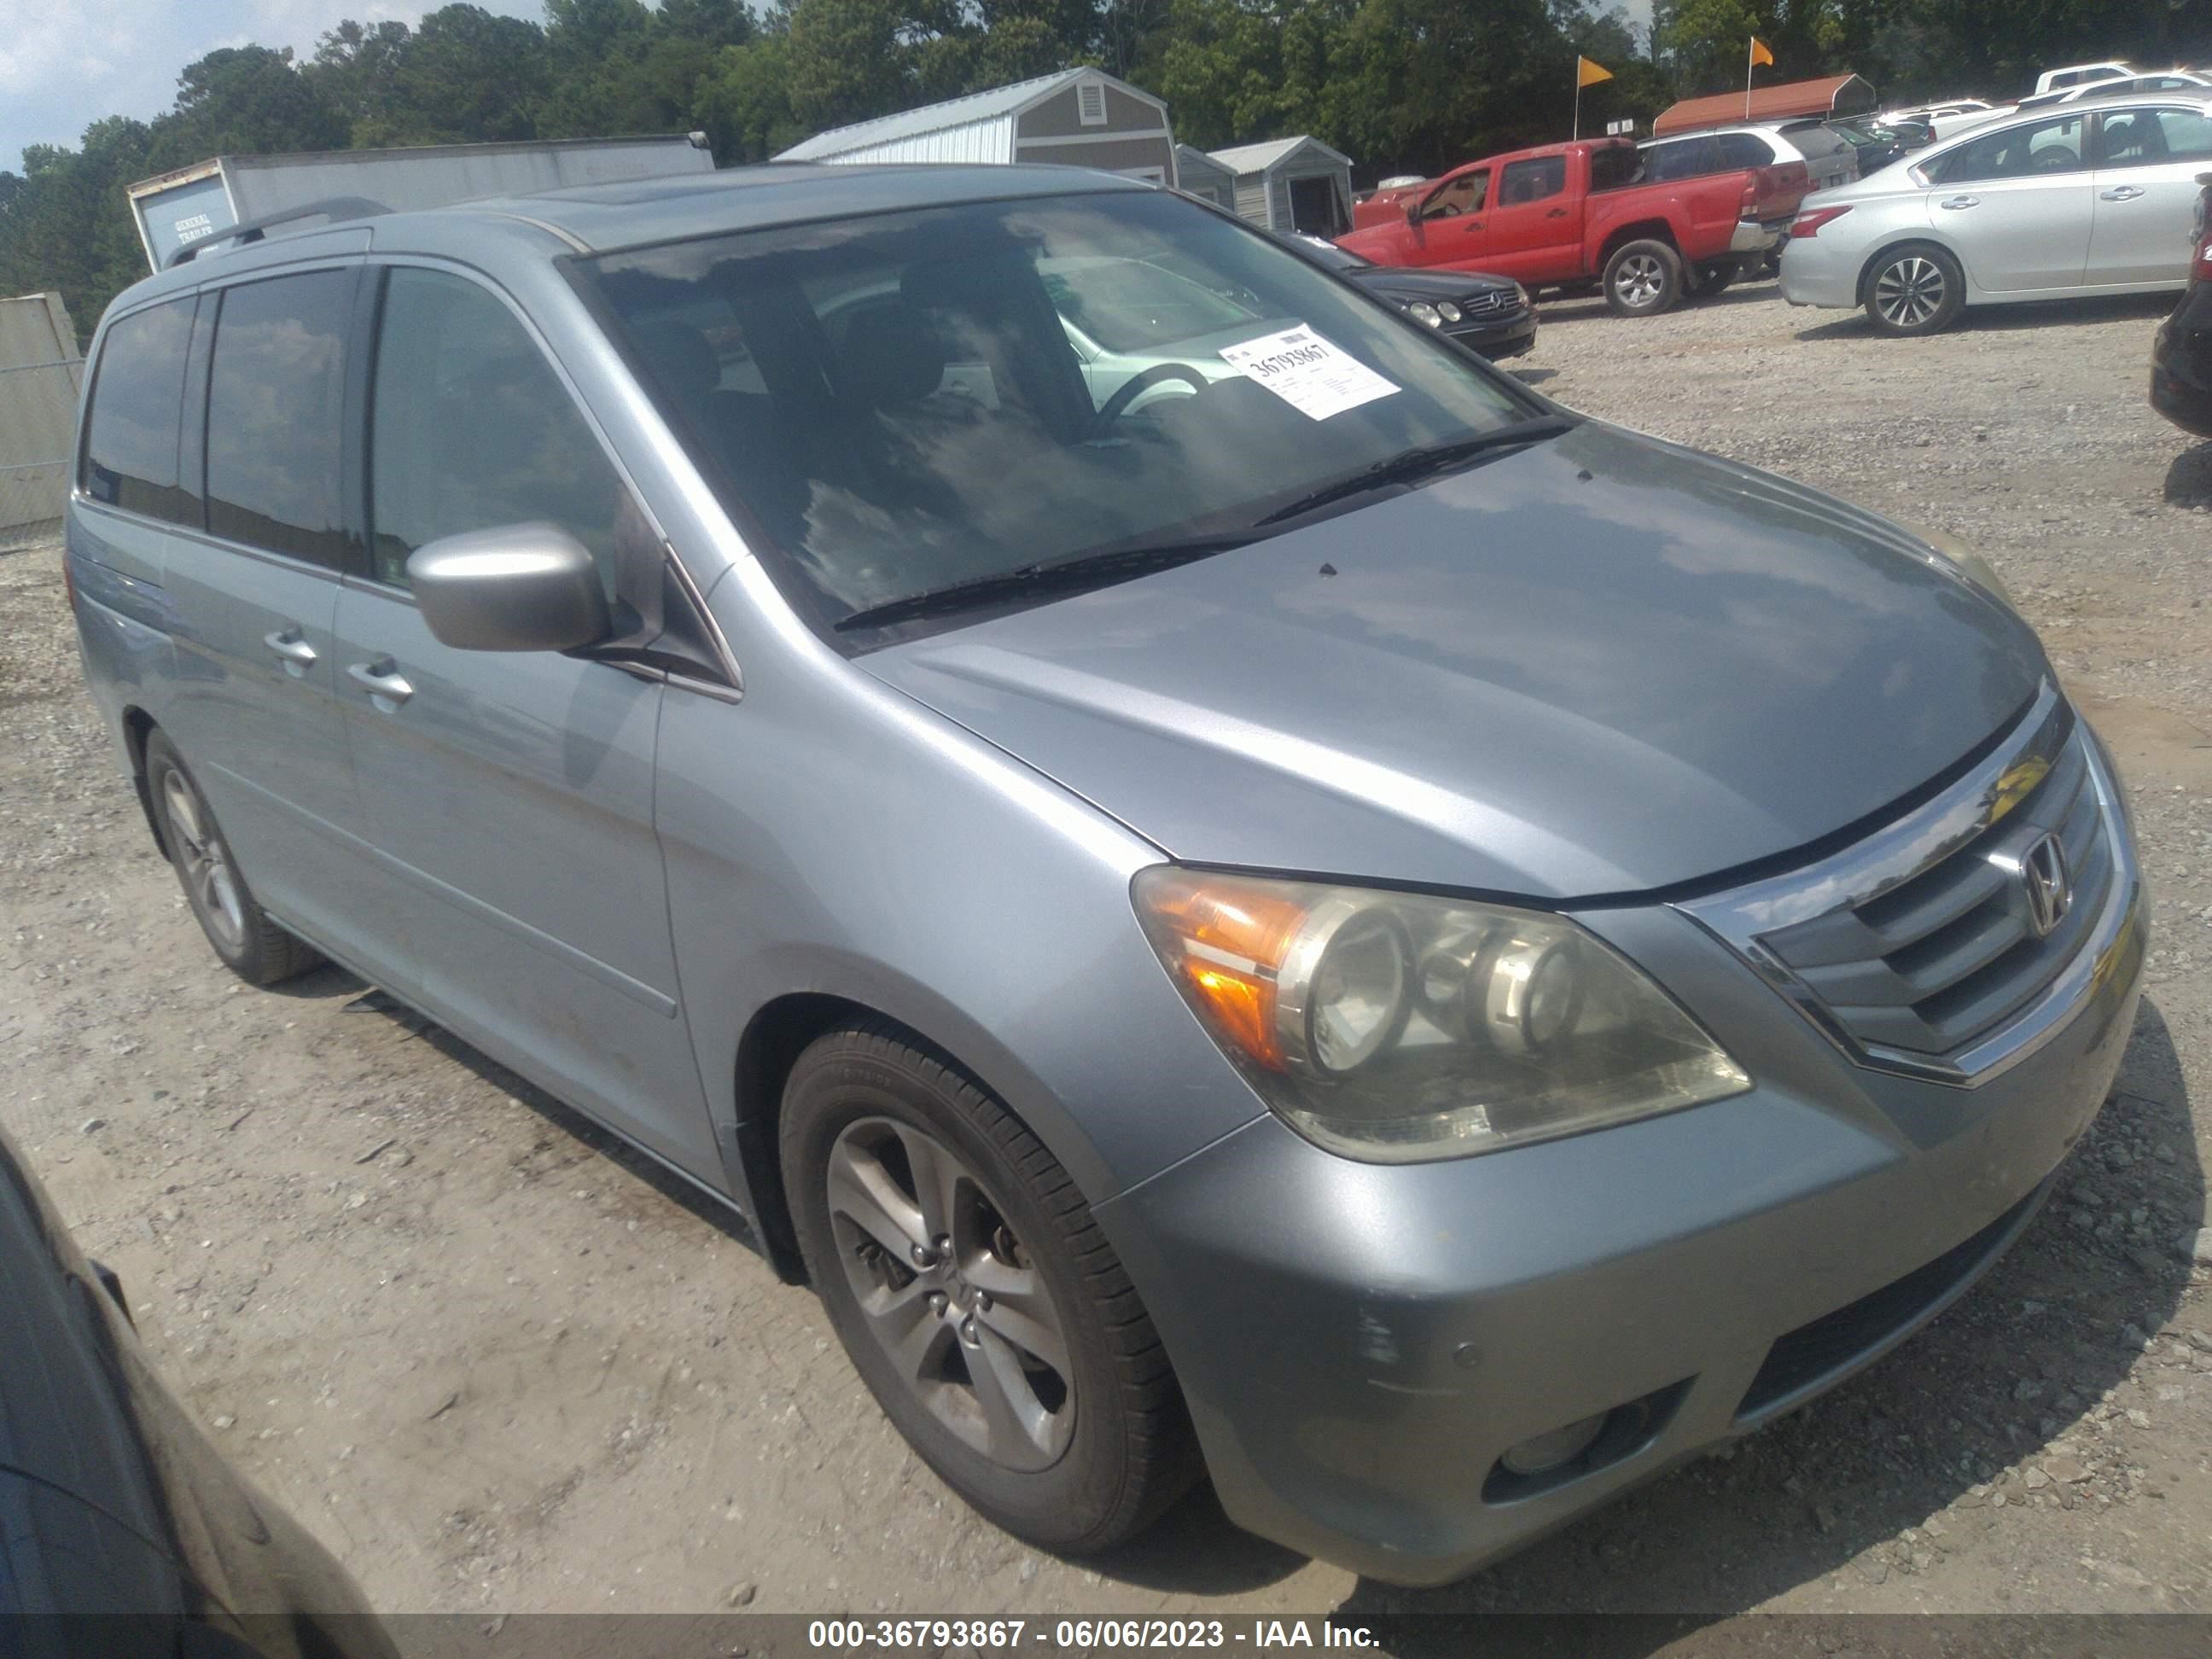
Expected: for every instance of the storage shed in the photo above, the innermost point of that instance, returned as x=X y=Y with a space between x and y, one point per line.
x=177 y=208
x=1078 y=118
x=1198 y=174
x=1292 y=184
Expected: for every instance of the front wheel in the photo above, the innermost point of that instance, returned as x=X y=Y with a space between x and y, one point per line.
x=976 y=1296
x=1642 y=279
x=1915 y=289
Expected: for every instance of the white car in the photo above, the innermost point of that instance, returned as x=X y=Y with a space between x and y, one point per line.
x=2096 y=197
x=2076 y=75
x=2185 y=82
x=1948 y=116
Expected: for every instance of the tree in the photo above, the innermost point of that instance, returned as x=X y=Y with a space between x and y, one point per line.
x=247 y=100
x=744 y=104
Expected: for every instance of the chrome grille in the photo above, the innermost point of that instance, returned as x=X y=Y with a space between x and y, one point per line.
x=1950 y=953
x=1491 y=303
x=1917 y=950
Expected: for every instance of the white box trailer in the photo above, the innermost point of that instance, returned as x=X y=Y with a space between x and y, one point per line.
x=178 y=209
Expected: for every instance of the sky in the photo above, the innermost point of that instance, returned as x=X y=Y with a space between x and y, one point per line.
x=65 y=63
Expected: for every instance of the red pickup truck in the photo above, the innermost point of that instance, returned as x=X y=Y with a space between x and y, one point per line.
x=1567 y=214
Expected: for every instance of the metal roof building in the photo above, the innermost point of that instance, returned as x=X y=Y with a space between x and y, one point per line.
x=1832 y=94
x=1292 y=184
x=1199 y=175
x=1078 y=118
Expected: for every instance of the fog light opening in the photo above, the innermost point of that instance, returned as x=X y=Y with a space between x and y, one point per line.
x=1546 y=1461
x=1541 y=1453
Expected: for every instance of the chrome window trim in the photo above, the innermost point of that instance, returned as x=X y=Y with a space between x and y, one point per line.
x=1915 y=842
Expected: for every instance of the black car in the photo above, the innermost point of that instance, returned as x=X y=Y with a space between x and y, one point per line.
x=1488 y=315
x=123 y=1531
x=2181 y=356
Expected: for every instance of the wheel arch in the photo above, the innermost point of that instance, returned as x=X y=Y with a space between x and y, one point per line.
x=137 y=727
x=1639 y=230
x=780 y=1031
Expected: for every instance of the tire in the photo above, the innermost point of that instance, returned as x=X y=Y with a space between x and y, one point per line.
x=1711 y=279
x=1643 y=278
x=251 y=944
x=1916 y=288
x=1098 y=1442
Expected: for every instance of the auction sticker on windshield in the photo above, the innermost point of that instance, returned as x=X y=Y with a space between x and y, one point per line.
x=1307 y=372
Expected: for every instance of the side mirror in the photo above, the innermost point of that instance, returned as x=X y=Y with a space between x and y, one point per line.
x=518 y=587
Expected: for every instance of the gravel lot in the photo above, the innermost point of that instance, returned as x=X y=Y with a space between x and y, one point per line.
x=498 y=1364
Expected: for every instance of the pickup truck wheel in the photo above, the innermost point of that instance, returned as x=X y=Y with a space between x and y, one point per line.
x=1642 y=279
x=1917 y=289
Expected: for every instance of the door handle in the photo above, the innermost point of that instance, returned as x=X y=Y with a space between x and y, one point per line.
x=1472 y=224
x=1960 y=202
x=2119 y=193
x=386 y=688
x=1557 y=213
x=297 y=654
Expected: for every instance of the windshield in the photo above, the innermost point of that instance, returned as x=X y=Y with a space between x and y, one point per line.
x=895 y=400
x=1126 y=305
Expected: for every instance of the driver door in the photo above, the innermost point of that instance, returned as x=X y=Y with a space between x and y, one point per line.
x=2018 y=205
x=1452 y=224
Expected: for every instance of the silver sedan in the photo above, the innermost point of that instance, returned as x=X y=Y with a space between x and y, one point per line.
x=2081 y=199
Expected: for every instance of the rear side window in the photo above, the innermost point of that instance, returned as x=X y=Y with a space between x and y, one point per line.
x=276 y=413
x=1748 y=149
x=2052 y=146
x=1532 y=181
x=131 y=441
x=471 y=429
x=2151 y=137
x=1685 y=158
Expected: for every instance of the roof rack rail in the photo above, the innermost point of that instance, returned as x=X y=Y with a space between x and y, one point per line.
x=336 y=209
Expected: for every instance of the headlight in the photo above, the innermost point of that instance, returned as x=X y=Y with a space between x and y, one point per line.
x=1399 y=1028
x=1422 y=312
x=1447 y=311
x=1975 y=568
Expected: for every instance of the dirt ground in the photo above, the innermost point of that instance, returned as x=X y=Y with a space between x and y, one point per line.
x=498 y=1364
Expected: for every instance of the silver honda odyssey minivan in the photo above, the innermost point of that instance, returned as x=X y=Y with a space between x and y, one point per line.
x=1310 y=916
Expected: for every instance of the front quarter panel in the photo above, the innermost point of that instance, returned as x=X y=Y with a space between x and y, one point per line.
x=828 y=835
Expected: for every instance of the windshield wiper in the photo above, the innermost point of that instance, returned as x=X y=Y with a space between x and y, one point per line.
x=1416 y=464
x=1094 y=570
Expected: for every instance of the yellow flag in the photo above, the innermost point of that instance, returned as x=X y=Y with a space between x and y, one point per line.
x=1759 y=51
x=1587 y=74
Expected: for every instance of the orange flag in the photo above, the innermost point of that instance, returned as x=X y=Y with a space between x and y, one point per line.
x=1760 y=53
x=1587 y=74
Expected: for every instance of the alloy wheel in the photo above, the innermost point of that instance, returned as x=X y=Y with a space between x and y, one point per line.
x=1639 y=281
x=949 y=1293
x=210 y=877
x=1910 y=291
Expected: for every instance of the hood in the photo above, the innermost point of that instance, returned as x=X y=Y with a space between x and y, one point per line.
x=1397 y=282
x=1600 y=664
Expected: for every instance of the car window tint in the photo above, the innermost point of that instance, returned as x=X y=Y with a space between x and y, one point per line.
x=1612 y=168
x=1532 y=180
x=131 y=441
x=2151 y=137
x=471 y=429
x=1745 y=150
x=1685 y=158
x=2037 y=149
x=276 y=409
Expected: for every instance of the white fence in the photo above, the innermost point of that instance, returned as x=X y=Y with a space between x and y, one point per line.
x=41 y=374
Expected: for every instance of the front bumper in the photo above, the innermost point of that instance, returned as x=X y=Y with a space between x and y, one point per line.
x=1361 y=1344
x=1509 y=338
